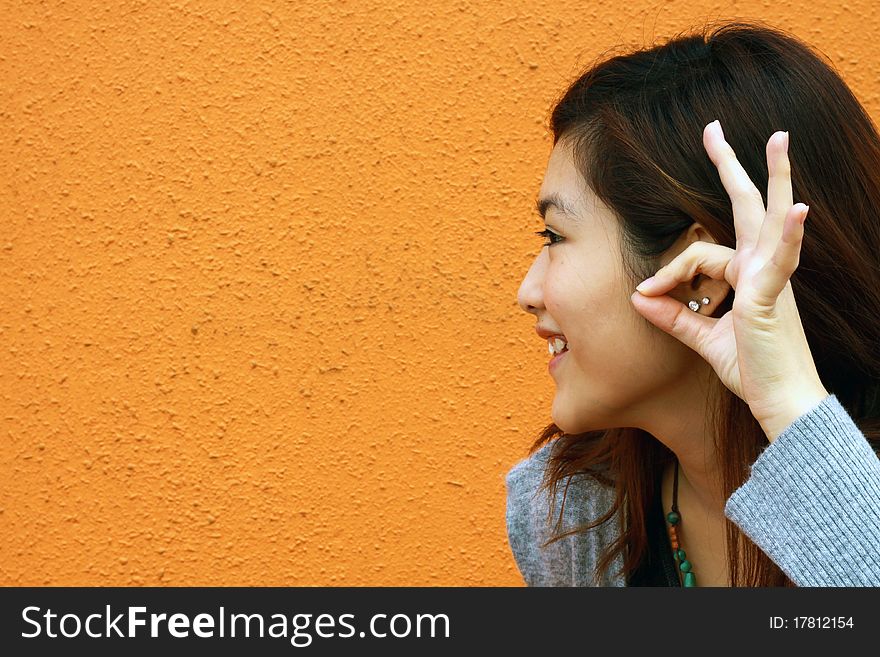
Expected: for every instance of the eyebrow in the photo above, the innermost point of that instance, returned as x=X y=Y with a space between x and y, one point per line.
x=557 y=202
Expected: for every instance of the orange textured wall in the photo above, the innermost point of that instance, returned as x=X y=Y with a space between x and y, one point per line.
x=258 y=310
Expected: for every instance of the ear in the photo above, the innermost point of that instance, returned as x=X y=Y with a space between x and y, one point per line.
x=700 y=286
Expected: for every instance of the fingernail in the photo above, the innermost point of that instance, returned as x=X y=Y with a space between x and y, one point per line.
x=645 y=284
x=785 y=142
x=804 y=215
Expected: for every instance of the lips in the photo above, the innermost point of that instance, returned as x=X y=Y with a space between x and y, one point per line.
x=555 y=361
x=547 y=333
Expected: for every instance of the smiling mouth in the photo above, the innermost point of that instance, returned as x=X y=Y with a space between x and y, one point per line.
x=557 y=346
x=555 y=360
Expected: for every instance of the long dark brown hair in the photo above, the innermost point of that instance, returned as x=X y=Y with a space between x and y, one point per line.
x=636 y=123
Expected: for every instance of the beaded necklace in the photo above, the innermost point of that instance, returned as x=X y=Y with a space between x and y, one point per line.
x=673 y=518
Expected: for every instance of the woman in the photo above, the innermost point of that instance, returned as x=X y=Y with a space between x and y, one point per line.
x=707 y=429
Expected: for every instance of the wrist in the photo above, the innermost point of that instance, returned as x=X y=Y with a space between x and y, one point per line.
x=790 y=409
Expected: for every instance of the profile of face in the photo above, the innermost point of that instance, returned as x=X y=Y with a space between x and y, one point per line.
x=619 y=369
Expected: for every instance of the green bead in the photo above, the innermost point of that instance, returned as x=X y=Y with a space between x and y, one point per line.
x=672 y=517
x=685 y=566
x=690 y=580
x=681 y=555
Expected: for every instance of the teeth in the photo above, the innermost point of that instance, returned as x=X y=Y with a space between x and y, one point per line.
x=556 y=345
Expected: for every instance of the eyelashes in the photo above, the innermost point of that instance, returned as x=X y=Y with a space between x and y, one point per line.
x=548 y=234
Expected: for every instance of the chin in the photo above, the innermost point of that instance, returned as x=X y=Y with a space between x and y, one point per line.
x=573 y=425
x=569 y=429
x=564 y=423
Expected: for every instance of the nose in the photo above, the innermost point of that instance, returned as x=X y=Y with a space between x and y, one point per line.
x=530 y=295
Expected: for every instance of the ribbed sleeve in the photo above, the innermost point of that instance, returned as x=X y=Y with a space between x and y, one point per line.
x=812 y=501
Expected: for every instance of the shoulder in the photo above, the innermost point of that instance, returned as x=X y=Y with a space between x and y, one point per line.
x=571 y=560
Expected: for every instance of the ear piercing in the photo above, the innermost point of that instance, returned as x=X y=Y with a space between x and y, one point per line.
x=694 y=305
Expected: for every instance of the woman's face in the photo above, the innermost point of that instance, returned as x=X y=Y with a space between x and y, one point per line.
x=619 y=369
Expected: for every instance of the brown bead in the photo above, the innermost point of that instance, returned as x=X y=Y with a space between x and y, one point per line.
x=674 y=545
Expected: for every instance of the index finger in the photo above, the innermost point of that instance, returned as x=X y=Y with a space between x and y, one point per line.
x=748 y=204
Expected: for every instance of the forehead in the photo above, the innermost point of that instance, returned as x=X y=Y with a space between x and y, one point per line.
x=566 y=192
x=562 y=176
x=564 y=188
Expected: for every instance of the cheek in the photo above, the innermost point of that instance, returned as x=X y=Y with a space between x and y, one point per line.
x=558 y=297
x=584 y=298
x=568 y=293
x=605 y=350
x=608 y=343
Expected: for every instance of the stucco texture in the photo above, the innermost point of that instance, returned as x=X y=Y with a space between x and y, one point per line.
x=258 y=320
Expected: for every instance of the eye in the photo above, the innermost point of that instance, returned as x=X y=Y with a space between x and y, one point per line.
x=549 y=234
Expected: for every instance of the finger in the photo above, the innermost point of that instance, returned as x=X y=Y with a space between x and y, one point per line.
x=779 y=194
x=675 y=318
x=748 y=204
x=698 y=258
x=773 y=276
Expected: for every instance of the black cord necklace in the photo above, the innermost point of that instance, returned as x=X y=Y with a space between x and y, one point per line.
x=673 y=518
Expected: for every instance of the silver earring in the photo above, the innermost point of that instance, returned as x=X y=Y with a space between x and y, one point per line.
x=694 y=305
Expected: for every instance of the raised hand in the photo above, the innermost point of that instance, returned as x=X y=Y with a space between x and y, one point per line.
x=758 y=348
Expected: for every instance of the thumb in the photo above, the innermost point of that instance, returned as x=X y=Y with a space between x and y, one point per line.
x=674 y=318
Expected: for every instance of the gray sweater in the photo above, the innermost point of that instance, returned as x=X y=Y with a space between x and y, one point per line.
x=811 y=503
